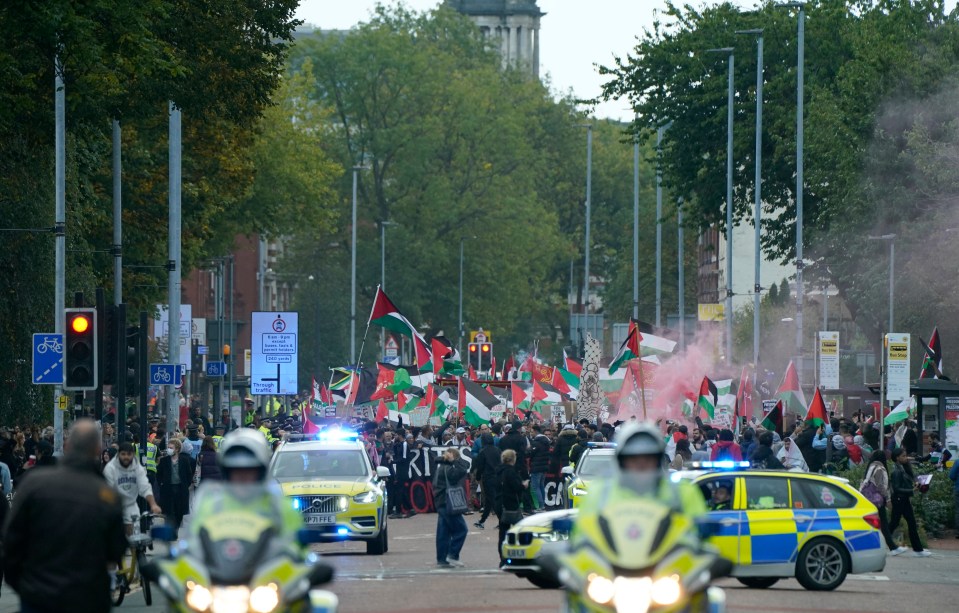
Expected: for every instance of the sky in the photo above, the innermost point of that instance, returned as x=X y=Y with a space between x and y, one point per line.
x=572 y=40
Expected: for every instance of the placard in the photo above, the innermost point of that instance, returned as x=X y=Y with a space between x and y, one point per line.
x=829 y=360
x=897 y=367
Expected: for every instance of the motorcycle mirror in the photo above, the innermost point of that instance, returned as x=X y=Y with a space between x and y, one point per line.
x=306 y=537
x=562 y=525
x=321 y=573
x=721 y=568
x=163 y=533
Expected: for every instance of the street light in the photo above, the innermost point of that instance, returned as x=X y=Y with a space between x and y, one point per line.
x=801 y=36
x=892 y=269
x=589 y=197
x=660 y=131
x=729 y=202
x=356 y=170
x=757 y=188
x=459 y=342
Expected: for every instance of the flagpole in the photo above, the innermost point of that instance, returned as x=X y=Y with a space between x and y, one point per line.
x=642 y=386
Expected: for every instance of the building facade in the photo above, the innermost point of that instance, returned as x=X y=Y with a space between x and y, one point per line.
x=510 y=25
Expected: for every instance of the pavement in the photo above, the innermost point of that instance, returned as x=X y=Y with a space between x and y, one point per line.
x=405 y=580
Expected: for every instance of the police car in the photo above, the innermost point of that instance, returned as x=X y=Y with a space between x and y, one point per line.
x=597 y=462
x=776 y=524
x=529 y=539
x=332 y=482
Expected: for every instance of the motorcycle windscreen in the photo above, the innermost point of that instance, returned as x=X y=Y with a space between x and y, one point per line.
x=235 y=528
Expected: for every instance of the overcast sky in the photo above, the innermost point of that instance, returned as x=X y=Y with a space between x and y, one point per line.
x=574 y=36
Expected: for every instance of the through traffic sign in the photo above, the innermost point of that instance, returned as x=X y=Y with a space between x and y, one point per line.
x=47 y=359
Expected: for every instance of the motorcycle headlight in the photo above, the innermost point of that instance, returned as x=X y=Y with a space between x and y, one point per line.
x=198 y=597
x=665 y=590
x=365 y=497
x=231 y=600
x=600 y=589
x=632 y=595
x=264 y=599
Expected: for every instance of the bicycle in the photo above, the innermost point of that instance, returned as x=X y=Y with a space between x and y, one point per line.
x=129 y=571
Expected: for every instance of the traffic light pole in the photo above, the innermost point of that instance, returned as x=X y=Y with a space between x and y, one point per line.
x=142 y=366
x=59 y=302
x=119 y=334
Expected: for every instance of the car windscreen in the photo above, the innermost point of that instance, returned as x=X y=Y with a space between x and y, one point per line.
x=596 y=465
x=321 y=464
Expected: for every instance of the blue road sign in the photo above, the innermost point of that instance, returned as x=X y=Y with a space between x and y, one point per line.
x=202 y=350
x=165 y=374
x=216 y=369
x=47 y=359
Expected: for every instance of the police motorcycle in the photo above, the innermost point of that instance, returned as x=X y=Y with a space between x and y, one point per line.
x=237 y=562
x=244 y=551
x=638 y=553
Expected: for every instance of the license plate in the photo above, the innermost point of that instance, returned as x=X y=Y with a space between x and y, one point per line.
x=319 y=520
x=515 y=553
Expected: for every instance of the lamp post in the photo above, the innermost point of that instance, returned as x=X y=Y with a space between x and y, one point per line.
x=729 y=201
x=681 y=280
x=660 y=131
x=459 y=342
x=589 y=197
x=636 y=227
x=892 y=270
x=757 y=190
x=356 y=170
x=801 y=35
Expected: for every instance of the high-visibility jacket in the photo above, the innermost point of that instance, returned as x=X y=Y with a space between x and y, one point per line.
x=217 y=439
x=248 y=418
x=266 y=432
x=150 y=458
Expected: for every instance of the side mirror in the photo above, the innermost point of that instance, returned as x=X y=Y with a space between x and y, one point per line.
x=383 y=472
x=567 y=470
x=320 y=573
x=562 y=525
x=163 y=533
x=306 y=537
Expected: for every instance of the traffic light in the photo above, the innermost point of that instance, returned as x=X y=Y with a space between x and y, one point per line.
x=474 y=355
x=80 y=350
x=132 y=359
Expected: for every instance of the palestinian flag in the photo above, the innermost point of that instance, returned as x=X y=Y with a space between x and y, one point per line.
x=386 y=314
x=431 y=400
x=566 y=382
x=544 y=394
x=382 y=412
x=904 y=410
x=508 y=367
x=708 y=397
x=471 y=373
x=521 y=396
x=474 y=402
x=932 y=363
x=816 y=415
x=689 y=403
x=744 y=396
x=790 y=391
x=630 y=347
x=573 y=365
x=774 y=421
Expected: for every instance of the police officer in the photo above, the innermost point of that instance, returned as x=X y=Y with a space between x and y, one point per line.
x=265 y=426
x=218 y=437
x=149 y=460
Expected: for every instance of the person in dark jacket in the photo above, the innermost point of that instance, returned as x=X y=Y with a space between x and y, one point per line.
x=749 y=443
x=576 y=452
x=512 y=490
x=486 y=468
x=564 y=443
x=206 y=461
x=815 y=458
x=451 y=530
x=762 y=455
x=65 y=528
x=514 y=439
x=174 y=477
x=902 y=484
x=538 y=466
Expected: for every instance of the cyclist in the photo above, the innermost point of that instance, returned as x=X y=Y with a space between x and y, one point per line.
x=243 y=457
x=129 y=478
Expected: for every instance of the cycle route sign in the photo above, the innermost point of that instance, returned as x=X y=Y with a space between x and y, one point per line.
x=273 y=359
x=47 y=359
x=166 y=374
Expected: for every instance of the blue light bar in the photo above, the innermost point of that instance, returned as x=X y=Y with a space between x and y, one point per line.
x=338 y=434
x=598 y=445
x=342 y=531
x=721 y=465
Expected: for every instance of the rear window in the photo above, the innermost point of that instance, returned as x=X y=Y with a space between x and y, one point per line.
x=767 y=493
x=811 y=494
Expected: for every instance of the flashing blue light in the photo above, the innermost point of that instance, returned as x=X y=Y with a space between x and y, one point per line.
x=599 y=445
x=338 y=434
x=342 y=531
x=296 y=504
x=723 y=465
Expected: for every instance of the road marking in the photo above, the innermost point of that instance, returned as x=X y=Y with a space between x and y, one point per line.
x=414 y=572
x=867 y=577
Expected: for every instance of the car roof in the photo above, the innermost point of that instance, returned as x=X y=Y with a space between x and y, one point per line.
x=695 y=474
x=599 y=451
x=345 y=445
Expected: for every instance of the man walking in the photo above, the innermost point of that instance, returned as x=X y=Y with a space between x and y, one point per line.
x=65 y=527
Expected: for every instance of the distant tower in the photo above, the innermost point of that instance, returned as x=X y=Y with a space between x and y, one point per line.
x=512 y=24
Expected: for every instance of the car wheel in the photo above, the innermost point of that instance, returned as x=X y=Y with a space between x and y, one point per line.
x=377 y=546
x=822 y=565
x=758 y=583
x=543 y=582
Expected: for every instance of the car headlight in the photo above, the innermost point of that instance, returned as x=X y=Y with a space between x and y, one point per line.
x=264 y=599
x=342 y=502
x=666 y=590
x=552 y=536
x=365 y=497
x=198 y=597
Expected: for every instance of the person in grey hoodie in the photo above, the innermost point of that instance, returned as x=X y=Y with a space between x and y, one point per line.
x=129 y=478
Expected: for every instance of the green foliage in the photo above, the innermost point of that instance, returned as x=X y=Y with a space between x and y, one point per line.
x=454 y=147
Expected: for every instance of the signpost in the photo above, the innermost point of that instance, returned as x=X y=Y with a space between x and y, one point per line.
x=274 y=353
x=166 y=374
x=216 y=369
x=829 y=360
x=47 y=359
x=391 y=350
x=897 y=367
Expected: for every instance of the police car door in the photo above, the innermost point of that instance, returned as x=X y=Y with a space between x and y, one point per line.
x=727 y=519
x=770 y=535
